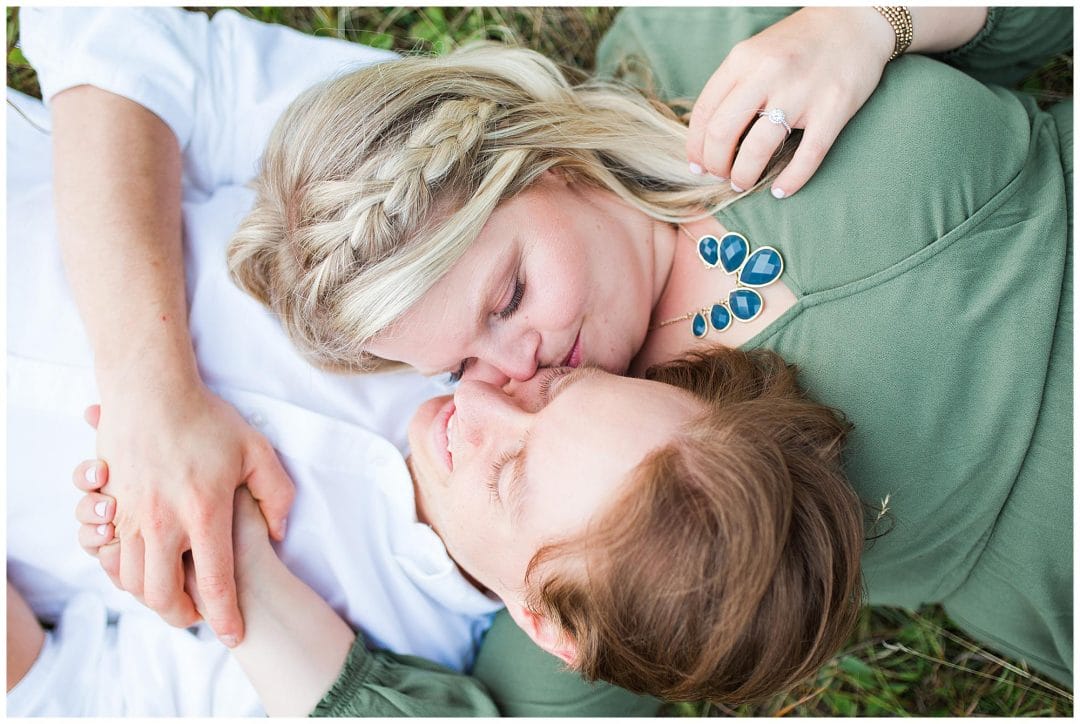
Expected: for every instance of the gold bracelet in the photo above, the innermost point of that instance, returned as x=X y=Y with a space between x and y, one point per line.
x=900 y=20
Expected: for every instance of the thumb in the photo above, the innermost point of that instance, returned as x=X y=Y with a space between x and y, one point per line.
x=271 y=486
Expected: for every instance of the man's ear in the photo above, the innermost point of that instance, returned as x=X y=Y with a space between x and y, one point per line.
x=544 y=633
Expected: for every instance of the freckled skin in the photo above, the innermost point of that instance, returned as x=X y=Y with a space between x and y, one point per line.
x=581 y=449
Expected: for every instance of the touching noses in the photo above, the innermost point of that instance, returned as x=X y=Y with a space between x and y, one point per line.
x=509 y=357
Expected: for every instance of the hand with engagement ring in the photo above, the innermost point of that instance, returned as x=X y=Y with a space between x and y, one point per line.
x=812 y=71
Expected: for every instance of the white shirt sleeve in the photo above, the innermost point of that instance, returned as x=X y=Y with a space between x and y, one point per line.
x=219 y=84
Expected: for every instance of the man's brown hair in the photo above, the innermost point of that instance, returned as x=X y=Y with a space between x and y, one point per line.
x=729 y=568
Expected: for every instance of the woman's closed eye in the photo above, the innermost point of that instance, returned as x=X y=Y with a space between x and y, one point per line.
x=505 y=313
x=515 y=300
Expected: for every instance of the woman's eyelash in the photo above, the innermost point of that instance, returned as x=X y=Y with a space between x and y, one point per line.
x=515 y=300
x=496 y=468
x=455 y=377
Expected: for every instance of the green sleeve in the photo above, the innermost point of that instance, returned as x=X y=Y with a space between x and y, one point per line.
x=512 y=677
x=672 y=52
x=524 y=680
x=1014 y=42
x=381 y=683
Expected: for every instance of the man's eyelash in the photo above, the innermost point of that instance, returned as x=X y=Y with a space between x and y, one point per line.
x=515 y=300
x=493 y=480
x=549 y=377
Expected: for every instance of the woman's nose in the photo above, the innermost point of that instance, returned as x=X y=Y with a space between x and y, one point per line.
x=481 y=371
x=513 y=356
x=485 y=416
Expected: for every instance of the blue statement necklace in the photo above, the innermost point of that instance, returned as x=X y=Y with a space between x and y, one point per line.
x=752 y=271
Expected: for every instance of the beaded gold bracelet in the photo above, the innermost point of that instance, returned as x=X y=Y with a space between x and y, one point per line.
x=900 y=20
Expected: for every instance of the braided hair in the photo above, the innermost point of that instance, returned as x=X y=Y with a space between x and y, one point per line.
x=374 y=183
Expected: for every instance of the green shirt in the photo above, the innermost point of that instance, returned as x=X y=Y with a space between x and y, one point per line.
x=929 y=255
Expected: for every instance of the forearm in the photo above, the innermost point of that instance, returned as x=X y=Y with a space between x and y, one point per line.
x=295 y=645
x=117 y=194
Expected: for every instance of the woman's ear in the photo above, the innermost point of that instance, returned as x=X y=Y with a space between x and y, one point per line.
x=558 y=175
x=544 y=633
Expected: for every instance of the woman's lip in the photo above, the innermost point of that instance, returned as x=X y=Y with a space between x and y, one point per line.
x=574 y=358
x=442 y=419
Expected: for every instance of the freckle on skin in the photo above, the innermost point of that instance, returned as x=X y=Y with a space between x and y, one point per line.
x=164 y=317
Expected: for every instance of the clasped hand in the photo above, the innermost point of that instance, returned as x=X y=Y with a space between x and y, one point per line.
x=818 y=65
x=172 y=467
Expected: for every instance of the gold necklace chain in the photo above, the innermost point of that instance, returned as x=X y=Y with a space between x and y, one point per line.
x=688 y=315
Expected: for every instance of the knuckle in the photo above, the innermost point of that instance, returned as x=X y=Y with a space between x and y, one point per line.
x=203 y=515
x=816 y=147
x=214 y=585
x=740 y=50
x=158 y=598
x=715 y=133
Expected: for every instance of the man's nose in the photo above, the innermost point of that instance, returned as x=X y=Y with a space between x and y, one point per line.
x=484 y=415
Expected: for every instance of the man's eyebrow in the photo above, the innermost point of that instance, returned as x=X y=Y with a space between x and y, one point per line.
x=560 y=383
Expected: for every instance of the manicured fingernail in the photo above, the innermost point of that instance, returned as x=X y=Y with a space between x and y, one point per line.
x=100 y=508
x=229 y=640
x=91 y=474
x=778 y=192
x=736 y=188
x=103 y=530
x=695 y=169
x=282 y=526
x=718 y=178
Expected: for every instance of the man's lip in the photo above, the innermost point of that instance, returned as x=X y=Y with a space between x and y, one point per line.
x=573 y=358
x=441 y=437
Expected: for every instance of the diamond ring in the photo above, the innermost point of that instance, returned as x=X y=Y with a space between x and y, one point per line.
x=775 y=115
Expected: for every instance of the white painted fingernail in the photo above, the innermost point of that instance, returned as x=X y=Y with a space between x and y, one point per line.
x=282 y=527
x=100 y=508
x=736 y=188
x=103 y=530
x=718 y=178
x=229 y=641
x=778 y=192
x=91 y=474
x=696 y=169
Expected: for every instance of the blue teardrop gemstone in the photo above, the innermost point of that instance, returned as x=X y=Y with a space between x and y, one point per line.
x=733 y=250
x=719 y=317
x=745 y=304
x=708 y=249
x=763 y=267
x=699 y=326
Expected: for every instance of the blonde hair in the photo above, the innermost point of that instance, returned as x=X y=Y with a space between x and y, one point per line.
x=376 y=182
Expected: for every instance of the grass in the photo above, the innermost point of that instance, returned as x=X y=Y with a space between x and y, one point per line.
x=898 y=663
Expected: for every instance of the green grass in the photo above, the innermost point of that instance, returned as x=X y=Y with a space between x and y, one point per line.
x=901 y=663
x=897 y=663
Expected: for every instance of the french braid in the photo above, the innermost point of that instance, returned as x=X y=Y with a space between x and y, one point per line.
x=374 y=183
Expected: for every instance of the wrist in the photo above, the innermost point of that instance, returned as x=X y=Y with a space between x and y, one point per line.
x=150 y=372
x=858 y=28
x=899 y=19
